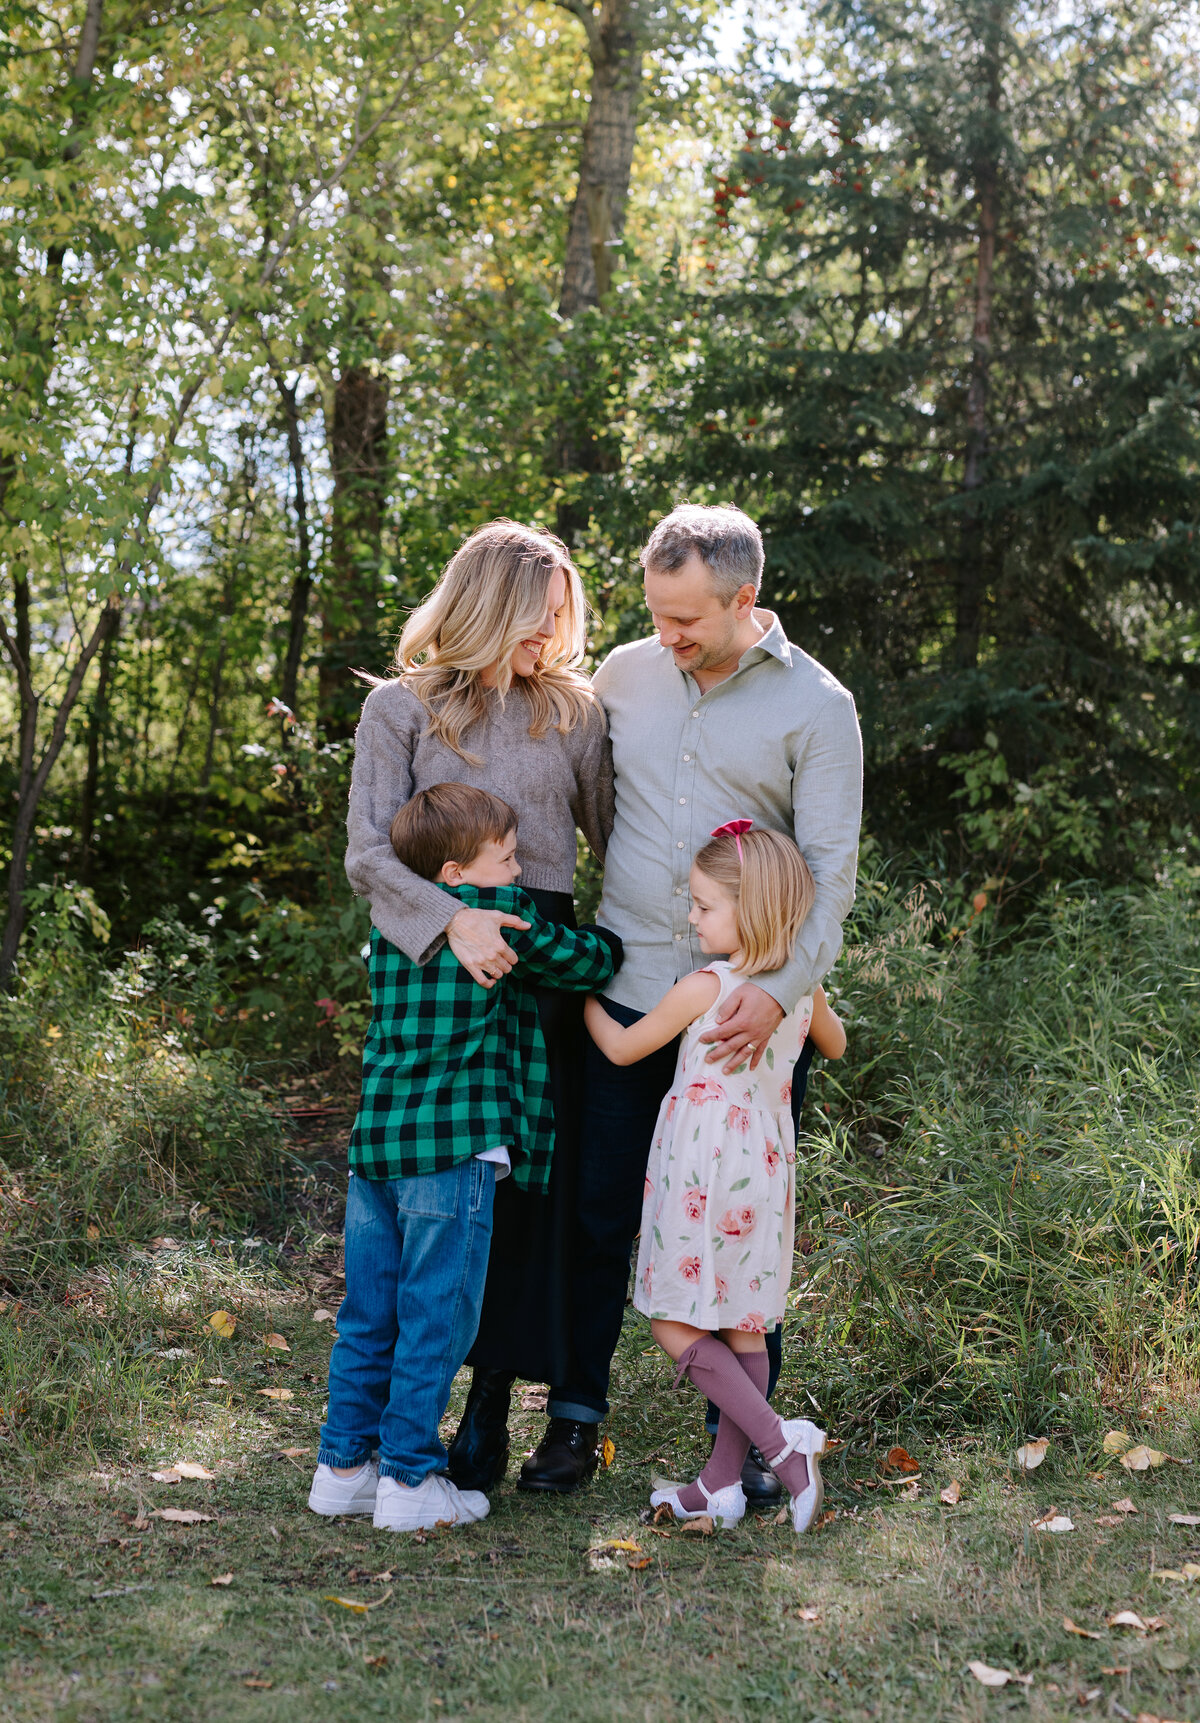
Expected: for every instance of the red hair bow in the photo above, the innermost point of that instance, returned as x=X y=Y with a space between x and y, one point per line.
x=733 y=829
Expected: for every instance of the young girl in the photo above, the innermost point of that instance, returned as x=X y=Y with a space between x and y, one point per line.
x=715 y=1259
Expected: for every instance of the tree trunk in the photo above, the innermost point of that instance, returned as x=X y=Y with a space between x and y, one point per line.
x=96 y=728
x=31 y=777
x=350 y=592
x=606 y=159
x=302 y=582
x=971 y=577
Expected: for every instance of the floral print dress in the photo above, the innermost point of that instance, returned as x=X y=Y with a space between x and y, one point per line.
x=718 y=1213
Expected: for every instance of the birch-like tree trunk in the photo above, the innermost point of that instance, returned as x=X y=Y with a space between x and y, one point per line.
x=615 y=49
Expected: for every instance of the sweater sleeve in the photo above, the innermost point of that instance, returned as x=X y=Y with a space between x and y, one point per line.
x=411 y=913
x=592 y=804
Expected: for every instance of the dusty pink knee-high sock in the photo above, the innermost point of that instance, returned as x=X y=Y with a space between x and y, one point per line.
x=715 y=1371
x=732 y=1443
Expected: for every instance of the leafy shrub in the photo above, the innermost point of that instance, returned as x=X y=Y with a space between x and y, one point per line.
x=1002 y=1207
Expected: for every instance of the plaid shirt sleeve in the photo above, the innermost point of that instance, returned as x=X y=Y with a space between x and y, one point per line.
x=577 y=960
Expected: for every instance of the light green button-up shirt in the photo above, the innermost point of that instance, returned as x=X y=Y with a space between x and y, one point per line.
x=778 y=743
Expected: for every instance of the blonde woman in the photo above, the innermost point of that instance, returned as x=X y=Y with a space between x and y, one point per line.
x=487 y=691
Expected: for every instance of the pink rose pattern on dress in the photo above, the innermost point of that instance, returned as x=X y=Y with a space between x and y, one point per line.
x=733 y=1153
x=737 y=1223
x=704 y=1090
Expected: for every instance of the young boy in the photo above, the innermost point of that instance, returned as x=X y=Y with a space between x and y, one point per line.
x=455 y=1092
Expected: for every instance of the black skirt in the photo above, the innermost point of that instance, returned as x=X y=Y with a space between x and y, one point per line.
x=525 y=1324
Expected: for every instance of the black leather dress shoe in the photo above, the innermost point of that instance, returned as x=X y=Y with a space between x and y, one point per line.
x=760 y=1486
x=565 y=1457
x=479 y=1451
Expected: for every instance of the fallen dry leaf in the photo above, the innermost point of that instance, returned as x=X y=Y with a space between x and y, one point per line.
x=1084 y=1632
x=1053 y=1521
x=989 y=1677
x=216 y=1382
x=292 y=1453
x=911 y=1491
x=663 y=1511
x=277 y=1393
x=1130 y=1618
x=1108 y=1520
x=1125 y=1506
x=191 y=1469
x=1031 y=1454
x=350 y=1603
x=171 y=1476
x=181 y=1516
x=638 y=1563
x=699 y=1526
x=276 y=1342
x=221 y=1579
x=629 y=1544
x=1115 y=1669
x=608 y=1452
x=323 y=1316
x=1184 y=1519
x=1141 y=1458
x=379 y=1661
x=782 y=1517
x=825 y=1519
x=222 y=1323
x=164 y=1244
x=1116 y=1442
x=900 y=1460
x=251 y=1682
x=952 y=1494
x=808 y=1614
x=92 y=1230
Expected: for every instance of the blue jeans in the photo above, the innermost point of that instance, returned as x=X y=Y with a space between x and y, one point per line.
x=416 y=1259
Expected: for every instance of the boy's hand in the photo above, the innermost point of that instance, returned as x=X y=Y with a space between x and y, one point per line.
x=746 y=1023
x=475 y=938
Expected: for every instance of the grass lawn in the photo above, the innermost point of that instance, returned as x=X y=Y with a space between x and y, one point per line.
x=544 y=1611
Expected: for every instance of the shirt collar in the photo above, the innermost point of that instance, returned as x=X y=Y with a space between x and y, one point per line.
x=774 y=642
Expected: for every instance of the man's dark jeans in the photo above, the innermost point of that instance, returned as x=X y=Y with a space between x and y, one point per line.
x=620 y=1106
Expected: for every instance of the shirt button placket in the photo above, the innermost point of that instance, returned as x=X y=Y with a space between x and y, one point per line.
x=685 y=836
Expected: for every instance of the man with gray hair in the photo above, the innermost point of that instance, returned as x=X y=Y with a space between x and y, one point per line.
x=714 y=717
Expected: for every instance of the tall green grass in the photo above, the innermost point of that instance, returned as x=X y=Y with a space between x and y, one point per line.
x=1002 y=1208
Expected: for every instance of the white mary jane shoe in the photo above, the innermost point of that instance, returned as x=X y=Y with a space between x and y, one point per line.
x=803 y=1437
x=725 y=1506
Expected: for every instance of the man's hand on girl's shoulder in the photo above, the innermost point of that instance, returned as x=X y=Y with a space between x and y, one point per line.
x=746 y=1023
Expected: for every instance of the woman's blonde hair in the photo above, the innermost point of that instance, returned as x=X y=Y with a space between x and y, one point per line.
x=770 y=883
x=491 y=595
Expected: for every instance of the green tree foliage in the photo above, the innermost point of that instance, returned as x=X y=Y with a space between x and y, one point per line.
x=950 y=359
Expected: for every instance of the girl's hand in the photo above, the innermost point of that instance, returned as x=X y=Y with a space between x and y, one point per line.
x=749 y=1019
x=475 y=939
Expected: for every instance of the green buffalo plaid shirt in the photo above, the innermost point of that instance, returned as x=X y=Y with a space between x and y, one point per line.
x=451 y=1068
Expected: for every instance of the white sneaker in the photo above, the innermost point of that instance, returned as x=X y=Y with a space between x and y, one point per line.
x=726 y=1506
x=434 y=1502
x=332 y=1495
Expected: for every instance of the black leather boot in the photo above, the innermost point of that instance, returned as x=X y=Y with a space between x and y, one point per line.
x=566 y=1457
x=479 y=1451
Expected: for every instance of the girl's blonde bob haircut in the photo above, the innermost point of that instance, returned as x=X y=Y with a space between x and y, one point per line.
x=772 y=888
x=491 y=596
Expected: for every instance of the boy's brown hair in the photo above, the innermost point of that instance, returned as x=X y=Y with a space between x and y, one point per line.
x=448 y=822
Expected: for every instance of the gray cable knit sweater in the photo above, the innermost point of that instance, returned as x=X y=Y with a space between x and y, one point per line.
x=555 y=784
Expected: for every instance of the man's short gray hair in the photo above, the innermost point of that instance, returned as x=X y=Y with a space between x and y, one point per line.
x=723 y=538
